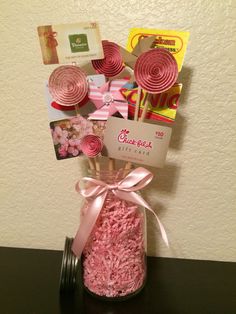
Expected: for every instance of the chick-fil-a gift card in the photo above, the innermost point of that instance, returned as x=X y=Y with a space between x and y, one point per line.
x=137 y=142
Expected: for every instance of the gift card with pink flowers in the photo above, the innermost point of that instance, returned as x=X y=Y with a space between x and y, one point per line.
x=68 y=133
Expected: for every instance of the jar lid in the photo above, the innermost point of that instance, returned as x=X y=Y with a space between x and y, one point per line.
x=69 y=268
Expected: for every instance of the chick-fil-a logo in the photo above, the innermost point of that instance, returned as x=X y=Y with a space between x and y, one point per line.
x=123 y=138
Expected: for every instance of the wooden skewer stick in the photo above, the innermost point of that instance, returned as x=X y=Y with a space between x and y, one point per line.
x=136 y=113
x=97 y=164
x=145 y=108
x=77 y=109
x=91 y=164
x=128 y=164
x=111 y=161
x=111 y=164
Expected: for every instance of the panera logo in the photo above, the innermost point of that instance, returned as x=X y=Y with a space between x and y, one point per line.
x=78 y=43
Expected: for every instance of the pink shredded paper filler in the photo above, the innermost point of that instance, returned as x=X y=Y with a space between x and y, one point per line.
x=114 y=256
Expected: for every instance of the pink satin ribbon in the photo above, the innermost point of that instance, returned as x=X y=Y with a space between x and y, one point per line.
x=51 y=40
x=96 y=195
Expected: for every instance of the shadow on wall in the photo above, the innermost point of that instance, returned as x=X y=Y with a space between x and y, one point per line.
x=153 y=231
x=178 y=132
x=154 y=239
x=165 y=179
x=180 y=124
x=185 y=77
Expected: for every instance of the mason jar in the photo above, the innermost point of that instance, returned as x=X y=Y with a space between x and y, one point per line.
x=113 y=260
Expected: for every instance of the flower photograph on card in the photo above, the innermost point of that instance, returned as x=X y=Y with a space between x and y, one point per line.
x=67 y=135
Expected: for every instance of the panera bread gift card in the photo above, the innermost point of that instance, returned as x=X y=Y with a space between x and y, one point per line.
x=136 y=142
x=67 y=43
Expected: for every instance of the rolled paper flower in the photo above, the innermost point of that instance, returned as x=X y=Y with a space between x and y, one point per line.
x=112 y=64
x=68 y=85
x=91 y=145
x=156 y=70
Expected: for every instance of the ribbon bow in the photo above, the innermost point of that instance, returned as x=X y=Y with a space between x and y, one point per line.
x=51 y=40
x=108 y=99
x=96 y=194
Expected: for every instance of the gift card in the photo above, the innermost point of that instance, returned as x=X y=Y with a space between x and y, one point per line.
x=55 y=110
x=67 y=127
x=137 y=142
x=161 y=107
x=59 y=112
x=174 y=41
x=98 y=79
x=67 y=135
x=68 y=43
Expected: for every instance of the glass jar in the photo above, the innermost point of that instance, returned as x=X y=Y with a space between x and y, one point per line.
x=114 y=257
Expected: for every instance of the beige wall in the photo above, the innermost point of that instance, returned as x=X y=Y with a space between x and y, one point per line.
x=194 y=194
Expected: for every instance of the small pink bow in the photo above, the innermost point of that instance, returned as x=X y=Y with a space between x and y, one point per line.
x=108 y=99
x=96 y=194
x=51 y=40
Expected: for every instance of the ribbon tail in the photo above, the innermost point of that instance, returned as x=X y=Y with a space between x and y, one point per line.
x=89 y=220
x=137 y=199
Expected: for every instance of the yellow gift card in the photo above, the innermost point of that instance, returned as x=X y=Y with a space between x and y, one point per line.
x=174 y=41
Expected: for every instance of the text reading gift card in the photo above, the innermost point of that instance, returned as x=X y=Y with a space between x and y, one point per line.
x=136 y=142
x=67 y=43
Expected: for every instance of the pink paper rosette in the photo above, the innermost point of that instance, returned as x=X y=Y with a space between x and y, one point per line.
x=156 y=70
x=68 y=85
x=91 y=145
x=112 y=64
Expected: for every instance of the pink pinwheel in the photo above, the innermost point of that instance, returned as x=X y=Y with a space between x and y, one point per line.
x=108 y=99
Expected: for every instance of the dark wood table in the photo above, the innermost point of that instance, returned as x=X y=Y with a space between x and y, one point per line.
x=29 y=281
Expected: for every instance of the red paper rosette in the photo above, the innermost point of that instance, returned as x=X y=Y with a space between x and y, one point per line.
x=112 y=64
x=68 y=85
x=91 y=145
x=156 y=70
